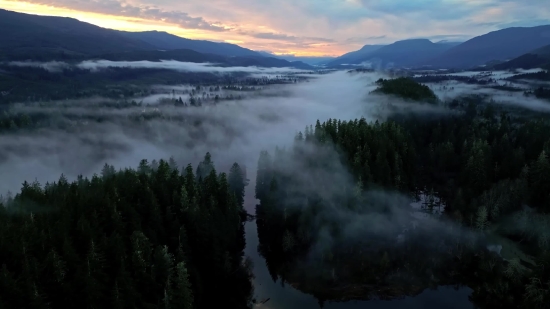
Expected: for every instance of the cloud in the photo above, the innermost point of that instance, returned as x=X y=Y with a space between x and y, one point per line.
x=524 y=23
x=285 y=37
x=147 y=12
x=52 y=66
x=365 y=39
x=376 y=37
x=449 y=37
x=95 y=65
x=455 y=89
x=179 y=66
x=438 y=9
x=289 y=39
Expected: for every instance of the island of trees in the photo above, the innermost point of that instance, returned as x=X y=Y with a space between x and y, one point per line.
x=406 y=88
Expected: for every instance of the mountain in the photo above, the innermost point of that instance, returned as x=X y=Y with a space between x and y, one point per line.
x=27 y=36
x=307 y=60
x=503 y=44
x=45 y=38
x=167 y=41
x=188 y=55
x=539 y=58
x=354 y=57
x=401 y=53
x=279 y=63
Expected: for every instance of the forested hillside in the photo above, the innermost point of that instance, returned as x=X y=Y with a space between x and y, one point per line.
x=482 y=166
x=153 y=237
x=32 y=36
x=406 y=88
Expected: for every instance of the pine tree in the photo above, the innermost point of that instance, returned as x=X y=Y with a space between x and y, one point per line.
x=237 y=183
x=183 y=295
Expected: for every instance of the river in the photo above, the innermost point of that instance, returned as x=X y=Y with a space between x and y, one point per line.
x=288 y=297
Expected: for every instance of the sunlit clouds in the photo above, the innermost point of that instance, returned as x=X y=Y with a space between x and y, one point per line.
x=303 y=28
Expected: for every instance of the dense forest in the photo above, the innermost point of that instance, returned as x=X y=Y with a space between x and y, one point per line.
x=438 y=78
x=540 y=92
x=540 y=75
x=153 y=237
x=406 y=88
x=24 y=83
x=62 y=81
x=487 y=168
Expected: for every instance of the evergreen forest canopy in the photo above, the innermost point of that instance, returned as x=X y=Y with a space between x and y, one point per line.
x=335 y=221
x=51 y=81
x=25 y=83
x=406 y=88
x=153 y=237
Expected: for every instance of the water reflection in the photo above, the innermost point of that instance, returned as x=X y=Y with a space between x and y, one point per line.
x=287 y=297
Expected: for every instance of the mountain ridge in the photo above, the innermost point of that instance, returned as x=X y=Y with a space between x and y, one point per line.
x=504 y=44
x=400 y=53
x=538 y=58
x=167 y=41
x=23 y=33
x=52 y=38
x=353 y=56
x=307 y=60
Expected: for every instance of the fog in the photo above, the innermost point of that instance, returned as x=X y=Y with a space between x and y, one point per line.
x=232 y=131
x=179 y=66
x=96 y=65
x=489 y=74
x=51 y=66
x=383 y=216
x=515 y=99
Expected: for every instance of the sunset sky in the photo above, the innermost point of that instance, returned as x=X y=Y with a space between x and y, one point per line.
x=300 y=27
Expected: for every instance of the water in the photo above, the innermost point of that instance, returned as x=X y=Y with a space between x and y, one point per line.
x=288 y=297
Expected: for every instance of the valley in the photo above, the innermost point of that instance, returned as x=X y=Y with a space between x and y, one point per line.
x=142 y=169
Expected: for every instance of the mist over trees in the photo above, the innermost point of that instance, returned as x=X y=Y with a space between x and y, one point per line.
x=335 y=217
x=326 y=227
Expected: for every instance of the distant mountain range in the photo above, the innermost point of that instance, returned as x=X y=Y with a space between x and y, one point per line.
x=538 y=58
x=400 y=54
x=496 y=46
x=355 y=57
x=501 y=45
x=307 y=60
x=45 y=38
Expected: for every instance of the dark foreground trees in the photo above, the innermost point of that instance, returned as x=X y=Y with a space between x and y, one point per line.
x=153 y=237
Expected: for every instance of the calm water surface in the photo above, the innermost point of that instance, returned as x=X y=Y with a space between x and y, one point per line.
x=288 y=297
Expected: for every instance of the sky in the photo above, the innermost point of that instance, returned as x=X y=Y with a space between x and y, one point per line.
x=300 y=27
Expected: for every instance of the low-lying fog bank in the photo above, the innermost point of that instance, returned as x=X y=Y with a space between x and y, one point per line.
x=231 y=130
x=95 y=65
